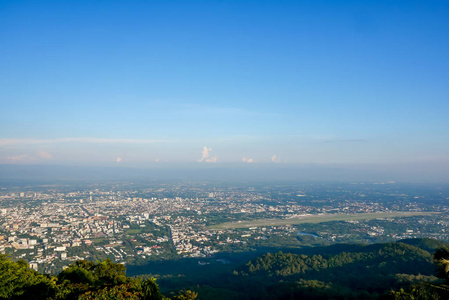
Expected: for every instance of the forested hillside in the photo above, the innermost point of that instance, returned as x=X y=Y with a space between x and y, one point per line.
x=361 y=272
x=409 y=269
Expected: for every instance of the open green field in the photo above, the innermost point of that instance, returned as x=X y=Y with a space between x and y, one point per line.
x=318 y=219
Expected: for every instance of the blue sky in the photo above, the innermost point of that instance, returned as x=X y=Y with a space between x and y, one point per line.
x=140 y=82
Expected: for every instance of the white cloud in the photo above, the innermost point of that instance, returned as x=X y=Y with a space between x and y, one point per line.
x=275 y=159
x=157 y=160
x=247 y=160
x=29 y=157
x=19 y=158
x=212 y=159
x=205 y=156
x=44 y=154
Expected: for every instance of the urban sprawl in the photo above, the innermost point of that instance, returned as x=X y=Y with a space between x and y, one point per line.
x=50 y=227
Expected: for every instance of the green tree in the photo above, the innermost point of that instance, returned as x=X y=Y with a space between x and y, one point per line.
x=18 y=281
x=83 y=280
x=441 y=259
x=117 y=292
x=95 y=280
x=187 y=295
x=150 y=290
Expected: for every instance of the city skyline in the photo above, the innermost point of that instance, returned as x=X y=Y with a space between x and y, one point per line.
x=141 y=83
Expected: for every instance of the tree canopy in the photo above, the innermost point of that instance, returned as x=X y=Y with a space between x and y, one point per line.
x=83 y=280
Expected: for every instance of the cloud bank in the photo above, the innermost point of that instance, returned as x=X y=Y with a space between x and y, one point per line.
x=247 y=160
x=29 y=157
x=275 y=159
x=205 y=156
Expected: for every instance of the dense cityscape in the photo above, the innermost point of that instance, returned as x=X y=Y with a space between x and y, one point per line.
x=53 y=226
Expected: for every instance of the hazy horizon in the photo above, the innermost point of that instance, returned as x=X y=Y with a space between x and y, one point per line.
x=230 y=173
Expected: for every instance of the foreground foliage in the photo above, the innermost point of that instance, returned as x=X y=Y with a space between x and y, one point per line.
x=430 y=291
x=83 y=280
x=391 y=271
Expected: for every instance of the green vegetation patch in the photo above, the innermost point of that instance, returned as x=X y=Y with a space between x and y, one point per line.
x=318 y=219
x=133 y=231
